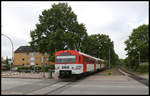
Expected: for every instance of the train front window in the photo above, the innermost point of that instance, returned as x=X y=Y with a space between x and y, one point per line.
x=66 y=59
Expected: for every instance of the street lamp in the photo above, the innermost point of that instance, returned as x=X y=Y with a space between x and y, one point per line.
x=12 y=49
x=109 y=58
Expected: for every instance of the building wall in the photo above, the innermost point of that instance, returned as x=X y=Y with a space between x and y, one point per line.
x=18 y=59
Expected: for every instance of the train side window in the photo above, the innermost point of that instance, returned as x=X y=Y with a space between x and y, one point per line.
x=87 y=60
x=84 y=59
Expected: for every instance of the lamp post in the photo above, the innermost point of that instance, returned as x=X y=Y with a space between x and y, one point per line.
x=109 y=58
x=12 y=49
x=43 y=65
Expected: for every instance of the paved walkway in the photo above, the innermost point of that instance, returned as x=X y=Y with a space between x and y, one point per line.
x=104 y=85
x=18 y=86
x=31 y=75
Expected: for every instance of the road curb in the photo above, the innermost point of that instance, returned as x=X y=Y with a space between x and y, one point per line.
x=123 y=72
x=136 y=77
x=27 y=78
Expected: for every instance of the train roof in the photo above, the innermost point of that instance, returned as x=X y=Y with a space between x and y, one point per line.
x=91 y=56
x=75 y=51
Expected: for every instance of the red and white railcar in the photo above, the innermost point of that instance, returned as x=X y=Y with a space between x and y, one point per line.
x=72 y=63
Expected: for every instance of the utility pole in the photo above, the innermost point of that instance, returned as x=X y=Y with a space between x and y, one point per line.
x=43 y=66
x=109 y=58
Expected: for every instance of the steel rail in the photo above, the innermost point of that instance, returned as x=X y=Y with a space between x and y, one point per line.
x=136 y=77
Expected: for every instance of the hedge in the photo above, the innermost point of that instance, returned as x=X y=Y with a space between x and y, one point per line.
x=23 y=68
x=36 y=68
x=48 y=67
x=143 y=68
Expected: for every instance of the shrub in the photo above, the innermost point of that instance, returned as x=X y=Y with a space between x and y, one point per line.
x=38 y=67
x=48 y=67
x=52 y=66
x=109 y=73
x=143 y=68
x=20 y=68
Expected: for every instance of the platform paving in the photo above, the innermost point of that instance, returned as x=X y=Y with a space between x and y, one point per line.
x=96 y=84
x=24 y=86
x=105 y=85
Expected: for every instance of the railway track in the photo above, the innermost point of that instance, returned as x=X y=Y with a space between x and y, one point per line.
x=135 y=77
x=54 y=87
x=66 y=82
x=62 y=84
x=122 y=72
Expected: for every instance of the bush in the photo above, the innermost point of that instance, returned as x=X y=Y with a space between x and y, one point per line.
x=109 y=73
x=52 y=66
x=37 y=68
x=48 y=67
x=25 y=68
x=143 y=68
x=21 y=68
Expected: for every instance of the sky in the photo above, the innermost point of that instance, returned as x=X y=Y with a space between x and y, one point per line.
x=116 y=19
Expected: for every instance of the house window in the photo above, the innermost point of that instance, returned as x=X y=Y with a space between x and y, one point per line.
x=22 y=54
x=28 y=60
x=36 y=53
x=22 y=64
x=42 y=59
x=32 y=54
x=22 y=59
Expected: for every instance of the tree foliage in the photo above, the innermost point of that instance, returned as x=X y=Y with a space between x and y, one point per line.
x=58 y=30
x=99 y=45
x=6 y=61
x=138 y=45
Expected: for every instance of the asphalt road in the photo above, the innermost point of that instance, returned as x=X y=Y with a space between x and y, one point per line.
x=104 y=85
x=24 y=86
x=95 y=84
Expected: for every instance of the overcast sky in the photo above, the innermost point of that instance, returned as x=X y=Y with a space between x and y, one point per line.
x=116 y=19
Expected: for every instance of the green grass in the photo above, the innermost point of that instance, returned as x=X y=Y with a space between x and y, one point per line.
x=142 y=69
x=107 y=72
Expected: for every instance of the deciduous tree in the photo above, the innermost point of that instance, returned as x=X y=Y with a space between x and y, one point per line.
x=138 y=45
x=58 y=30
